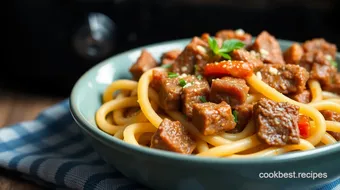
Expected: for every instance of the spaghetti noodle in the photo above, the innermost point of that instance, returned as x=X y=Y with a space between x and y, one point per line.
x=138 y=128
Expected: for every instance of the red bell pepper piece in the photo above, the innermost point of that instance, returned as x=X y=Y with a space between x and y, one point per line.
x=239 y=69
x=304 y=126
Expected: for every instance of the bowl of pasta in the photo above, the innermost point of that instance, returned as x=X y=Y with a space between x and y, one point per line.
x=229 y=110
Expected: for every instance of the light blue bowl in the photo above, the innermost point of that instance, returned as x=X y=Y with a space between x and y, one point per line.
x=166 y=170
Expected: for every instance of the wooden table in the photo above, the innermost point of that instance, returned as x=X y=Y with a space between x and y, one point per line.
x=16 y=107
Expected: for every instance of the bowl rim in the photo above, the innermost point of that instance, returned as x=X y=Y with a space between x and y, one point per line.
x=115 y=143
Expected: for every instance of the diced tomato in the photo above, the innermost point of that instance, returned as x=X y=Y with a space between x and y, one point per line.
x=239 y=69
x=304 y=126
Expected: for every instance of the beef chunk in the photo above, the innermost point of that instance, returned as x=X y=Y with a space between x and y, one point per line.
x=319 y=66
x=269 y=48
x=332 y=116
x=322 y=73
x=293 y=54
x=205 y=37
x=335 y=85
x=212 y=119
x=143 y=63
x=170 y=56
x=244 y=55
x=234 y=34
x=172 y=136
x=285 y=78
x=231 y=90
x=195 y=53
x=303 y=97
x=321 y=45
x=243 y=113
x=277 y=122
x=157 y=77
x=194 y=92
x=336 y=135
x=170 y=91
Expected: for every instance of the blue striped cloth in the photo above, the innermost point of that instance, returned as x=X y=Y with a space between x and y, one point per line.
x=51 y=151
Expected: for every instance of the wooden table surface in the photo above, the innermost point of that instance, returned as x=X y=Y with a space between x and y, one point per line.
x=16 y=107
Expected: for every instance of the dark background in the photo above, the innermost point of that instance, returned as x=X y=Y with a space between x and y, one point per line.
x=47 y=53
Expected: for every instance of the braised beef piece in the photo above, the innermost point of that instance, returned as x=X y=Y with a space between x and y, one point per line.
x=195 y=53
x=332 y=116
x=194 y=92
x=335 y=84
x=143 y=63
x=269 y=48
x=212 y=119
x=243 y=113
x=234 y=34
x=293 y=54
x=303 y=97
x=170 y=91
x=276 y=122
x=336 y=135
x=286 y=78
x=319 y=66
x=157 y=77
x=205 y=37
x=320 y=45
x=170 y=56
x=231 y=90
x=172 y=136
x=244 y=55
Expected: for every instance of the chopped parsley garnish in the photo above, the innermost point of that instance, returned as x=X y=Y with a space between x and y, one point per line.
x=172 y=75
x=166 y=66
x=330 y=59
x=199 y=77
x=227 y=47
x=235 y=113
x=182 y=82
x=203 y=99
x=334 y=63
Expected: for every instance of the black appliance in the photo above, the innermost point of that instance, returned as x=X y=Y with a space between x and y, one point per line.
x=53 y=42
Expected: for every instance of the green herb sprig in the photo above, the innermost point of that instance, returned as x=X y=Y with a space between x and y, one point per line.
x=166 y=66
x=334 y=63
x=235 y=115
x=227 y=47
x=172 y=75
x=182 y=82
x=203 y=99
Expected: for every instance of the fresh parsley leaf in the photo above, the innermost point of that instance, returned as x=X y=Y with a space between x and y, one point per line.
x=235 y=114
x=166 y=66
x=182 y=82
x=199 y=77
x=172 y=75
x=225 y=55
x=213 y=45
x=227 y=47
x=334 y=63
x=203 y=99
x=231 y=45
